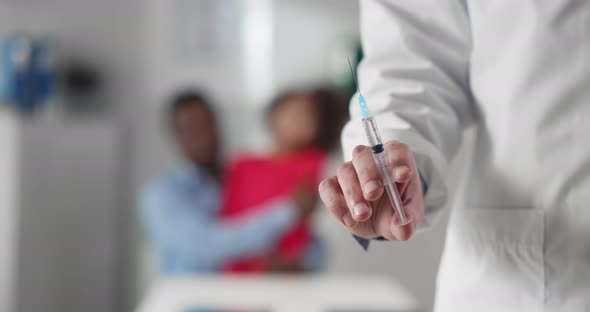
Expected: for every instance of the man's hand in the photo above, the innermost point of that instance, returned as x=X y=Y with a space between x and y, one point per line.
x=276 y=264
x=356 y=196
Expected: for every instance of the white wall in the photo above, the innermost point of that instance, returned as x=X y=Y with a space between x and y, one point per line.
x=9 y=187
x=68 y=234
x=307 y=28
x=89 y=157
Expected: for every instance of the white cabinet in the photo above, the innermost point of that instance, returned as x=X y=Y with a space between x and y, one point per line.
x=66 y=229
x=8 y=207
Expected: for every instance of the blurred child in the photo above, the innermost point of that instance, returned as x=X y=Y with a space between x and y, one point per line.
x=181 y=210
x=305 y=126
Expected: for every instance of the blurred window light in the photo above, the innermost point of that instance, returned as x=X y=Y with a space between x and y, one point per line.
x=258 y=50
x=205 y=28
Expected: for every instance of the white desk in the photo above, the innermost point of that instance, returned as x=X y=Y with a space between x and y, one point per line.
x=280 y=294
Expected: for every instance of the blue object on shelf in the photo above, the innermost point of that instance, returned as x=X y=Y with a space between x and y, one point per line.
x=27 y=79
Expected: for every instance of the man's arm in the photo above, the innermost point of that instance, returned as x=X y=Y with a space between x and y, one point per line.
x=204 y=240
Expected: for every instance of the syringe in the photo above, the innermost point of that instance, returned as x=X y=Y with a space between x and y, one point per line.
x=374 y=140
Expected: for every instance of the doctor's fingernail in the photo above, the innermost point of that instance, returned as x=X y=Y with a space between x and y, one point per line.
x=401 y=172
x=360 y=209
x=348 y=220
x=372 y=186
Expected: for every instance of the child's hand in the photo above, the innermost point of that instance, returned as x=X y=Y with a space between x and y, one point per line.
x=276 y=264
x=305 y=200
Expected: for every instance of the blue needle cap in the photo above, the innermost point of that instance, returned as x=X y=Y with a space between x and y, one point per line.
x=362 y=102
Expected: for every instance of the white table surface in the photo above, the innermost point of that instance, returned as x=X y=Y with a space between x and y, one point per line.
x=274 y=293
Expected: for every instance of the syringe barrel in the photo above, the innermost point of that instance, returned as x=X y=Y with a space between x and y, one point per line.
x=391 y=188
x=371 y=131
x=374 y=140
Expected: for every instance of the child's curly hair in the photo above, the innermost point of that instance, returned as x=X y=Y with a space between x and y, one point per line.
x=332 y=110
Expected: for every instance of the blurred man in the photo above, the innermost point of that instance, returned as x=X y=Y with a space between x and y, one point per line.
x=181 y=210
x=519 y=71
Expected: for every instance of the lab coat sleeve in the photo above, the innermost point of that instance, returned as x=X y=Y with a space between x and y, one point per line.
x=204 y=241
x=414 y=77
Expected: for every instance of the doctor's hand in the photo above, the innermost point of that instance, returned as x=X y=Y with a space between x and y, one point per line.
x=356 y=197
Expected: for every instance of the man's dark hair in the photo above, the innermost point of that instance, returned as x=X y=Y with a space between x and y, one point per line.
x=332 y=109
x=186 y=99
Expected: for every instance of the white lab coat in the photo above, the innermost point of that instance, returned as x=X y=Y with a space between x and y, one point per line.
x=519 y=71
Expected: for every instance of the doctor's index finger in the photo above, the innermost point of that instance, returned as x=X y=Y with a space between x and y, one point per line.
x=350 y=185
x=368 y=174
x=332 y=196
x=401 y=160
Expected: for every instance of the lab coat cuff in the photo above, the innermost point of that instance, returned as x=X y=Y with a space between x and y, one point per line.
x=423 y=183
x=366 y=242
x=362 y=241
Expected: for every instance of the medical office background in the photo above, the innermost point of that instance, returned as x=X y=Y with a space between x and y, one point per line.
x=70 y=172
